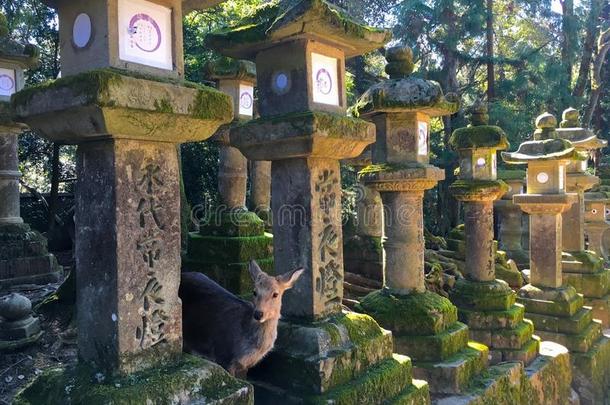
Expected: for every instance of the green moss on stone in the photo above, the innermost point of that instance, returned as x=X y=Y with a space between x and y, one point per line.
x=433 y=348
x=480 y=136
x=233 y=224
x=483 y=296
x=410 y=315
x=219 y=249
x=163 y=106
x=192 y=378
x=475 y=189
x=504 y=174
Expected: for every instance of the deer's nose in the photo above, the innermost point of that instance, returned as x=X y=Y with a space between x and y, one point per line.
x=258 y=315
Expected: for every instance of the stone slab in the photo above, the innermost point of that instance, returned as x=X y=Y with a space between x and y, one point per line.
x=591 y=285
x=547 y=379
x=190 y=380
x=576 y=343
x=556 y=324
x=453 y=375
x=601 y=309
x=433 y=348
x=487 y=320
x=591 y=373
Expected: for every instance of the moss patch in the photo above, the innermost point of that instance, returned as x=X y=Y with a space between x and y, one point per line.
x=480 y=136
x=483 y=296
x=478 y=189
x=191 y=378
x=410 y=315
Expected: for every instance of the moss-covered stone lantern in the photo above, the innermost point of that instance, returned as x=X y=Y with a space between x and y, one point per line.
x=424 y=324
x=127 y=124
x=231 y=236
x=582 y=269
x=24 y=258
x=596 y=222
x=554 y=306
x=483 y=301
x=300 y=47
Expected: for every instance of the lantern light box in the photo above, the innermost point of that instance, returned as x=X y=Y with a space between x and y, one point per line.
x=246 y=100
x=7 y=82
x=137 y=35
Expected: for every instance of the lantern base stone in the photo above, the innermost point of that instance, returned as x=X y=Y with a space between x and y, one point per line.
x=601 y=309
x=24 y=258
x=559 y=316
x=355 y=353
x=190 y=380
x=493 y=318
x=225 y=245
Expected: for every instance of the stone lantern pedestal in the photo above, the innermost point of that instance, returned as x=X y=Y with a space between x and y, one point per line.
x=583 y=269
x=260 y=192
x=24 y=258
x=486 y=304
x=322 y=353
x=555 y=308
x=230 y=236
x=510 y=218
x=596 y=225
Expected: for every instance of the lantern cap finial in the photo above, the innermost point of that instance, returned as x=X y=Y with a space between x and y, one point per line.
x=400 y=62
x=570 y=118
x=478 y=113
x=225 y=68
x=546 y=125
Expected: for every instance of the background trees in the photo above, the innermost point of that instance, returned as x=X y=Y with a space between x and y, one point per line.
x=525 y=56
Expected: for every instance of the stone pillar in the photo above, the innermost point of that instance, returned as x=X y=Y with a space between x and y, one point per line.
x=24 y=258
x=553 y=305
x=510 y=219
x=304 y=132
x=127 y=128
x=260 y=194
x=230 y=236
x=485 y=302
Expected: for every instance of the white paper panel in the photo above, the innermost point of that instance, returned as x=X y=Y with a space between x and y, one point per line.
x=246 y=100
x=7 y=82
x=325 y=79
x=422 y=138
x=561 y=177
x=145 y=34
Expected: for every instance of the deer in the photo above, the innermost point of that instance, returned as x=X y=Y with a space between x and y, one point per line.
x=225 y=329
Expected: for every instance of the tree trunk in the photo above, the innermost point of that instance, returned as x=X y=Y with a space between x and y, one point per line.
x=588 y=49
x=53 y=198
x=568 y=43
x=603 y=46
x=491 y=80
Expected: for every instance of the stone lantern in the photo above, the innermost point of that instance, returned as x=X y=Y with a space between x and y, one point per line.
x=231 y=236
x=583 y=269
x=556 y=308
x=24 y=258
x=300 y=49
x=596 y=222
x=402 y=108
x=127 y=123
x=510 y=218
x=485 y=302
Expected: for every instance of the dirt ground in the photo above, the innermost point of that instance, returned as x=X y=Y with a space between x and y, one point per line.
x=56 y=347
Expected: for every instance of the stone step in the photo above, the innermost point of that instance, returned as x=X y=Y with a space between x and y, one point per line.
x=500 y=384
x=574 y=324
x=487 y=320
x=505 y=338
x=577 y=343
x=357 y=290
x=526 y=353
x=556 y=308
x=389 y=381
x=548 y=377
x=431 y=348
x=591 y=373
x=601 y=309
x=453 y=375
x=418 y=393
x=592 y=285
x=363 y=281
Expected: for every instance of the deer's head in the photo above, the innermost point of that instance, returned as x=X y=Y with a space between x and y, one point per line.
x=268 y=291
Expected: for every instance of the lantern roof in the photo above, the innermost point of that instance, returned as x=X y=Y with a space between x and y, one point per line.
x=581 y=138
x=284 y=20
x=548 y=149
x=25 y=56
x=187 y=5
x=479 y=134
x=404 y=92
x=225 y=68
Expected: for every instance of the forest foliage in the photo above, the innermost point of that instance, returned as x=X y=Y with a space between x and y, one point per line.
x=524 y=56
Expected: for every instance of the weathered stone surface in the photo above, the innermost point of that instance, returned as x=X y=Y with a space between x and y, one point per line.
x=188 y=380
x=493 y=295
x=18 y=328
x=547 y=379
x=110 y=103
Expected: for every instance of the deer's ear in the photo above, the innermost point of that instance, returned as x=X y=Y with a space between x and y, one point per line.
x=288 y=280
x=254 y=270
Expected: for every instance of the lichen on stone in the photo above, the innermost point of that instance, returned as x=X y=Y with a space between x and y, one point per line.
x=480 y=136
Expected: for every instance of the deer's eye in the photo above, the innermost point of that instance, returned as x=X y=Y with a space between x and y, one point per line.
x=254 y=293
x=275 y=295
